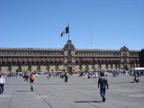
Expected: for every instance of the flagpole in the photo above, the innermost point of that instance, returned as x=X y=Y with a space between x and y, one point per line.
x=68 y=36
x=91 y=36
x=68 y=32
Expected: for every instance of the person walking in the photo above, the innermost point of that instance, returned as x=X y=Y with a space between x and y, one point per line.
x=103 y=84
x=48 y=75
x=32 y=81
x=2 y=81
x=26 y=76
x=66 y=77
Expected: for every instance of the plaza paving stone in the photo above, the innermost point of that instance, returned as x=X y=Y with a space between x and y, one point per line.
x=78 y=92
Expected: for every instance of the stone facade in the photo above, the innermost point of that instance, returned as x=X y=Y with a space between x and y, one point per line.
x=67 y=59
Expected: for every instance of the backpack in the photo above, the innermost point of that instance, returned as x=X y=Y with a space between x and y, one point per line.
x=32 y=78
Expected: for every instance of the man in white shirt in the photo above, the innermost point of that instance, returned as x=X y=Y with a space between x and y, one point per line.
x=2 y=81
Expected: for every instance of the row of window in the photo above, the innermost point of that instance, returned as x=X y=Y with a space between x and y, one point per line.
x=97 y=53
x=28 y=53
x=60 y=53
x=105 y=53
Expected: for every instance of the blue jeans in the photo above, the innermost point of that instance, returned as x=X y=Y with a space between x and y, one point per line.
x=2 y=88
x=32 y=87
x=102 y=92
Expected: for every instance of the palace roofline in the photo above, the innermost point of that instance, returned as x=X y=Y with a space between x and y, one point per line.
x=6 y=48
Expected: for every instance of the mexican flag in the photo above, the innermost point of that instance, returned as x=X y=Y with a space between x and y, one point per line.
x=66 y=30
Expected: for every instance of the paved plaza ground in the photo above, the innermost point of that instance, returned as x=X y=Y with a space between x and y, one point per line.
x=76 y=93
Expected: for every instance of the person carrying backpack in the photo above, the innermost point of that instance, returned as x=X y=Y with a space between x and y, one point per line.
x=103 y=84
x=32 y=81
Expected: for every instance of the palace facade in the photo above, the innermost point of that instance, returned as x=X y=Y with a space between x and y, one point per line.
x=67 y=59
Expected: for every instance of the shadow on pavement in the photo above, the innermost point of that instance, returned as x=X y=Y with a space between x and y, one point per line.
x=23 y=91
x=123 y=82
x=85 y=101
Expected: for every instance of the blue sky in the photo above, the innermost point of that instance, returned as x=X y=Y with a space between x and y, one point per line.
x=93 y=24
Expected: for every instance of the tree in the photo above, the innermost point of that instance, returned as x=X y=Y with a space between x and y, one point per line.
x=19 y=69
x=47 y=68
x=63 y=70
x=125 y=67
x=9 y=68
x=38 y=68
x=70 y=70
x=29 y=68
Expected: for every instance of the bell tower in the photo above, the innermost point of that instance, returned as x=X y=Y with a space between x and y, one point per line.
x=69 y=55
x=124 y=57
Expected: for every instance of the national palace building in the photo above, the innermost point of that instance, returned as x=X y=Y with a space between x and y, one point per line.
x=67 y=59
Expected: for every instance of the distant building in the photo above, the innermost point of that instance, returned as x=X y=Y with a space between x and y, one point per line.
x=67 y=59
x=141 y=57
